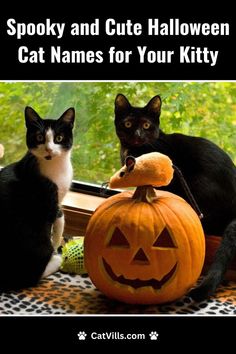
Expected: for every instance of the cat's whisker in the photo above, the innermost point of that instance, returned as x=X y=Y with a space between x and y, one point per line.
x=150 y=144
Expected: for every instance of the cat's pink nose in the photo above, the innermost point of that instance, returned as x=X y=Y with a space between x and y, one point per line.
x=48 y=149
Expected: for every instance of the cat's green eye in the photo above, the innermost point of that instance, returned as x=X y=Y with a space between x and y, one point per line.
x=58 y=138
x=128 y=124
x=146 y=125
x=39 y=138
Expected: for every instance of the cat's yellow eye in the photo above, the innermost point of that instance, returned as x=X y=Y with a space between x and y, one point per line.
x=146 y=125
x=39 y=138
x=128 y=124
x=58 y=138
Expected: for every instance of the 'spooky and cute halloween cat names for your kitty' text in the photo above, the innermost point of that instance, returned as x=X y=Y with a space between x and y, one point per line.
x=111 y=27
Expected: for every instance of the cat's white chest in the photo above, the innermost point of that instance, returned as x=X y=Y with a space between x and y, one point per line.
x=59 y=171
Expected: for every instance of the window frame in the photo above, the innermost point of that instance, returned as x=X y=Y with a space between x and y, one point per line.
x=80 y=203
x=93 y=189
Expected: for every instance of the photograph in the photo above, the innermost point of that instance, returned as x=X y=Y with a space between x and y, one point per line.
x=115 y=197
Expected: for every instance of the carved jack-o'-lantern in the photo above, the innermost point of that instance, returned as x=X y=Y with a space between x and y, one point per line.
x=144 y=247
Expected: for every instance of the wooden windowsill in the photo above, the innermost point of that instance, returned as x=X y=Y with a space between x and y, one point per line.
x=78 y=208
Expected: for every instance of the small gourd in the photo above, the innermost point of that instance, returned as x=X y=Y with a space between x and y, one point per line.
x=73 y=256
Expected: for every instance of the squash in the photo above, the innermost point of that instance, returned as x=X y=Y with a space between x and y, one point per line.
x=147 y=246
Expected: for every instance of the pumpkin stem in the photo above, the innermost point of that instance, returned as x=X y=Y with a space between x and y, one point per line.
x=144 y=194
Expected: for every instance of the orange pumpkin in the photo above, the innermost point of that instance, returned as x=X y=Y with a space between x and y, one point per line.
x=144 y=247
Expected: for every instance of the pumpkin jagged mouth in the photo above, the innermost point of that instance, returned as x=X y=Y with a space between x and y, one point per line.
x=138 y=283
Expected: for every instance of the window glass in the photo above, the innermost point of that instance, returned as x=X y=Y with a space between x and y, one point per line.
x=206 y=109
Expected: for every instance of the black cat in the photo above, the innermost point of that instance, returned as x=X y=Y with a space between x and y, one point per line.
x=208 y=170
x=31 y=191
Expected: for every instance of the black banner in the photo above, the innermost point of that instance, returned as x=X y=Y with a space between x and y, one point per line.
x=179 y=333
x=152 y=46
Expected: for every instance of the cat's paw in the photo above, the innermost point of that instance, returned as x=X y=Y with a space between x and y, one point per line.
x=57 y=232
x=57 y=242
x=53 y=265
x=204 y=290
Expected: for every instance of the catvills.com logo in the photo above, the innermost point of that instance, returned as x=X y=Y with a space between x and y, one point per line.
x=117 y=336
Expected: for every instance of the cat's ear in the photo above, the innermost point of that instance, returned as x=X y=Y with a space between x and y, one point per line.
x=31 y=117
x=121 y=104
x=68 y=117
x=154 y=105
x=130 y=162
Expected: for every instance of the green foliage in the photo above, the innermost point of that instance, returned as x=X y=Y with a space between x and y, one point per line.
x=194 y=108
x=14 y=97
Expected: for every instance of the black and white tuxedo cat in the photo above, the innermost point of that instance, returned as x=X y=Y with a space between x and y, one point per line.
x=31 y=192
x=208 y=170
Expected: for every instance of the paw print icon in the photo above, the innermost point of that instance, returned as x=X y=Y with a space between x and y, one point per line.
x=81 y=335
x=153 y=335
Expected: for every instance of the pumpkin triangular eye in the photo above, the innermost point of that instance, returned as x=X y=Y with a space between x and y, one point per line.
x=164 y=240
x=118 y=239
